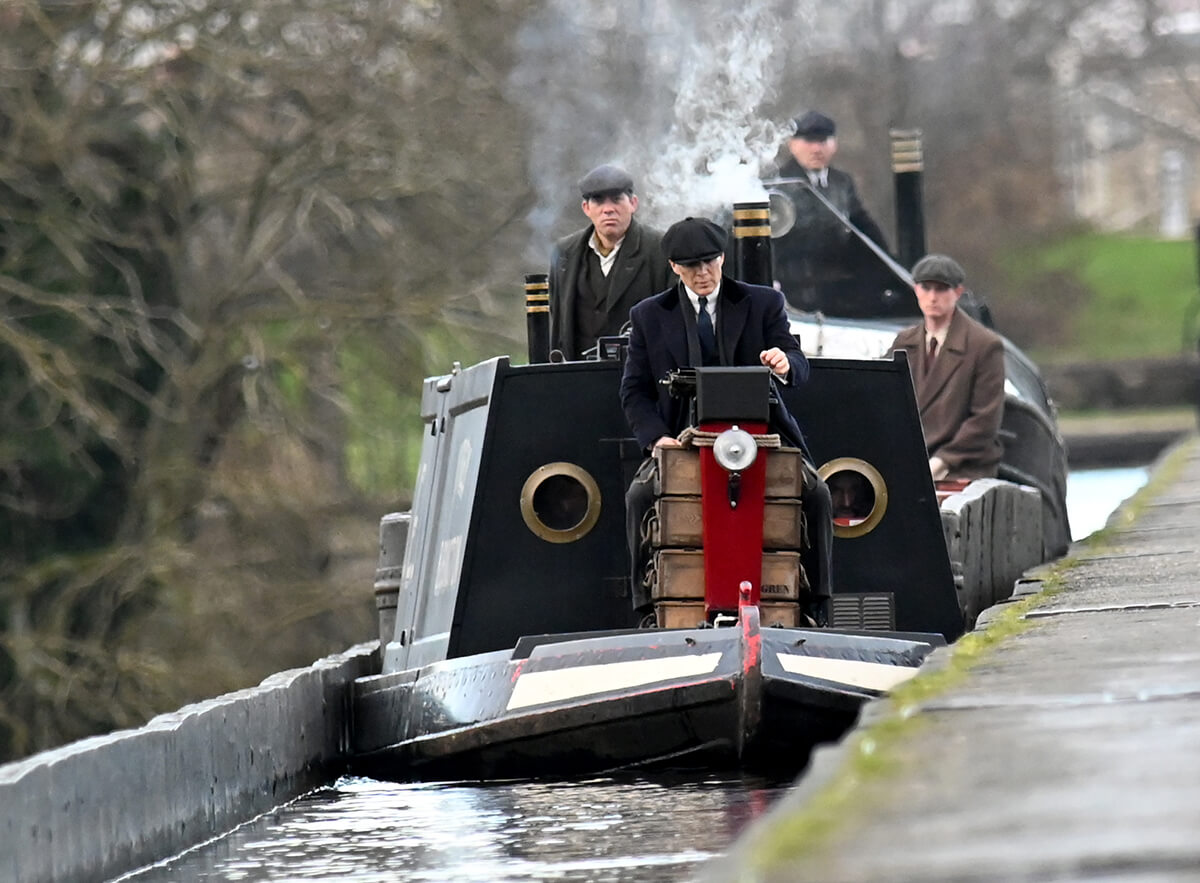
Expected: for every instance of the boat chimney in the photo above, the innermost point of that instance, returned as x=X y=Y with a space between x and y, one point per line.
x=537 y=316
x=908 y=166
x=752 y=243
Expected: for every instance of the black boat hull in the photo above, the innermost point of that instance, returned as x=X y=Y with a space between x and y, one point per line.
x=738 y=696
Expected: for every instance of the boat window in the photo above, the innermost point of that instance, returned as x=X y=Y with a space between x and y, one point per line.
x=560 y=502
x=859 y=495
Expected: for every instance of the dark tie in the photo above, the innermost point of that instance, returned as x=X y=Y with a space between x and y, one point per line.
x=708 y=340
x=931 y=355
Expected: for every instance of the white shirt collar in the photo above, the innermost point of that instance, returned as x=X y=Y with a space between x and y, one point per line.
x=712 y=299
x=606 y=260
x=819 y=176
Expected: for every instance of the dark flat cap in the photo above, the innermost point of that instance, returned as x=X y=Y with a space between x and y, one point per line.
x=938 y=268
x=605 y=179
x=814 y=126
x=693 y=239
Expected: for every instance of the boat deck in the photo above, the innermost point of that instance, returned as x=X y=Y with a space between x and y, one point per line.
x=1057 y=742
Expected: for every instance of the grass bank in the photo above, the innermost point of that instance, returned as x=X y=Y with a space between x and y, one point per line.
x=1111 y=297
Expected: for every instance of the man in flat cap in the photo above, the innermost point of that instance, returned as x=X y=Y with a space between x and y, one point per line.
x=818 y=260
x=958 y=373
x=598 y=273
x=705 y=319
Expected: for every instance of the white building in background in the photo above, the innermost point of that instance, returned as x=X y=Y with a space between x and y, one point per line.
x=1130 y=143
x=1131 y=155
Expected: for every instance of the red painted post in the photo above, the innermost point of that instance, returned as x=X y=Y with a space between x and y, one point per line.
x=733 y=535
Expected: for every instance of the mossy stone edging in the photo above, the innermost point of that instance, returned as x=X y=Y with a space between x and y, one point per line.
x=833 y=793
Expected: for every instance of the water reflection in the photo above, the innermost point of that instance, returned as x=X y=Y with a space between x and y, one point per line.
x=1094 y=494
x=627 y=829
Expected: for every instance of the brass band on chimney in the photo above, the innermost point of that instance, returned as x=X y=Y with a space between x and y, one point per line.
x=537 y=316
x=908 y=164
x=752 y=242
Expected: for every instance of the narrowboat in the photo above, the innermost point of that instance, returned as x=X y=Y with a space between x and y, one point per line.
x=509 y=646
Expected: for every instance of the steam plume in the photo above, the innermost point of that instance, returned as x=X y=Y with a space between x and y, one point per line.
x=673 y=90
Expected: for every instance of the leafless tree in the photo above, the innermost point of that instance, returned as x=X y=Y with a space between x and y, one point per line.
x=207 y=210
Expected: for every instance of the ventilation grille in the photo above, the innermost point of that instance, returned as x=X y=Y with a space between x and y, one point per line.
x=864 y=610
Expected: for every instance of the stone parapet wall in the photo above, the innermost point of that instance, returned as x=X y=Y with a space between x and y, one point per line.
x=1130 y=383
x=103 y=806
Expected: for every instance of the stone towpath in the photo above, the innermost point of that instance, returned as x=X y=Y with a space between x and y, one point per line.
x=1058 y=741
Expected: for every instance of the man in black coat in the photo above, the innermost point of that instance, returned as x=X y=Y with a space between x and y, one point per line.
x=710 y=319
x=818 y=261
x=598 y=273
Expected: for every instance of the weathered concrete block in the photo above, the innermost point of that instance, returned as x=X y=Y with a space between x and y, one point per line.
x=993 y=531
x=965 y=506
x=1027 y=541
x=952 y=532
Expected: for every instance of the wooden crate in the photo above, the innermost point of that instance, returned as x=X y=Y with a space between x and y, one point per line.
x=690 y=614
x=679 y=473
x=679 y=574
x=785 y=614
x=785 y=474
x=679 y=614
x=783 y=579
x=678 y=524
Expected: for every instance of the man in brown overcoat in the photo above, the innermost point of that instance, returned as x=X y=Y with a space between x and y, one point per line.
x=958 y=373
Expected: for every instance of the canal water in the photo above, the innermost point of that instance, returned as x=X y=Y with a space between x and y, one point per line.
x=1093 y=495
x=607 y=829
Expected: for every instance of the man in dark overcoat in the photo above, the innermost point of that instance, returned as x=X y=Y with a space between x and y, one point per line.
x=819 y=261
x=598 y=273
x=710 y=319
x=958 y=374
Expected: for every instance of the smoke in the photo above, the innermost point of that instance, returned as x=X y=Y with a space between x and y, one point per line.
x=673 y=90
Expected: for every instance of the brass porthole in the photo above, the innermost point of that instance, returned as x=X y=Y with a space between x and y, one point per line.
x=560 y=502
x=859 y=495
